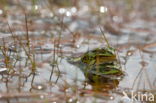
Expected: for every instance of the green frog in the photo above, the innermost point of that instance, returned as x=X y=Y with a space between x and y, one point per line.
x=99 y=65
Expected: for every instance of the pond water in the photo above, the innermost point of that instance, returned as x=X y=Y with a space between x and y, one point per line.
x=37 y=39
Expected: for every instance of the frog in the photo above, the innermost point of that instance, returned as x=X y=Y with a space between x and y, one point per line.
x=99 y=65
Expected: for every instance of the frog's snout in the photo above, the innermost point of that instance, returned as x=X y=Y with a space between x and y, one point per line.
x=72 y=60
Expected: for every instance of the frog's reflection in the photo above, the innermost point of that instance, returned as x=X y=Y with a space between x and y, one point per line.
x=104 y=77
x=104 y=85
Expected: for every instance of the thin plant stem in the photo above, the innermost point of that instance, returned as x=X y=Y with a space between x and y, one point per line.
x=27 y=33
x=53 y=65
x=106 y=40
x=59 y=73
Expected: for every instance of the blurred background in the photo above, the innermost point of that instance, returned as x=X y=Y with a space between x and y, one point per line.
x=37 y=37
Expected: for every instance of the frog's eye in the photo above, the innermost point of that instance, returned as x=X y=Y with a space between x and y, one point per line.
x=85 y=59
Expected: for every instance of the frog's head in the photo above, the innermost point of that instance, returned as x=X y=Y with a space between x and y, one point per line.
x=77 y=62
x=74 y=60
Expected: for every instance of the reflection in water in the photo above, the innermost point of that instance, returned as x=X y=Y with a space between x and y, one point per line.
x=20 y=61
x=105 y=85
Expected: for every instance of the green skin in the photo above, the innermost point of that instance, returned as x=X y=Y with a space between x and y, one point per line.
x=100 y=62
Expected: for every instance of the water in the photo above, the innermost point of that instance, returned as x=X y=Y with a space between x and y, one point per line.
x=38 y=71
